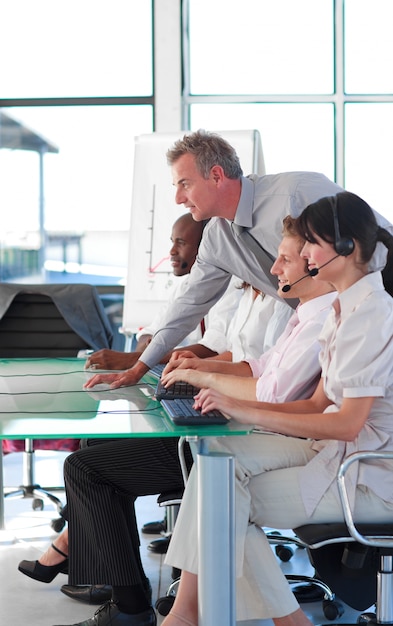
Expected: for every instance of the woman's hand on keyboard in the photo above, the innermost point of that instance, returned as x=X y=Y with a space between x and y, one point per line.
x=240 y=410
x=209 y=400
x=182 y=362
x=191 y=376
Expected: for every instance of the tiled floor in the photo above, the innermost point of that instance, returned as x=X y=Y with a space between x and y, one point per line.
x=25 y=602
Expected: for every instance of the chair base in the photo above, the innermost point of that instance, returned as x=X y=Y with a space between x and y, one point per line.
x=38 y=494
x=364 y=618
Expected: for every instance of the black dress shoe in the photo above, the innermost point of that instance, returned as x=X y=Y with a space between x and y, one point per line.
x=89 y=594
x=109 y=615
x=97 y=594
x=154 y=528
x=159 y=546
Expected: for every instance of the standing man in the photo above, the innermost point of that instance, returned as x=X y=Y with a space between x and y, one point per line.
x=209 y=182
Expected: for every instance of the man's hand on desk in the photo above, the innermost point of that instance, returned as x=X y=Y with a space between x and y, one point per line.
x=123 y=379
x=111 y=360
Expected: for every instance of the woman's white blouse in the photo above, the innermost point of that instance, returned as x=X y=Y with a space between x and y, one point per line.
x=357 y=361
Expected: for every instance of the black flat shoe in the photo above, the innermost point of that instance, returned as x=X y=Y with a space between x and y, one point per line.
x=154 y=528
x=159 y=546
x=89 y=594
x=44 y=573
x=109 y=615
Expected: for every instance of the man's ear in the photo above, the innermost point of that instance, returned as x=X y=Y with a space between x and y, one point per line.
x=217 y=174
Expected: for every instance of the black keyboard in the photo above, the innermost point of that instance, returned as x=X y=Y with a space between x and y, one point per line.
x=181 y=412
x=178 y=390
x=157 y=370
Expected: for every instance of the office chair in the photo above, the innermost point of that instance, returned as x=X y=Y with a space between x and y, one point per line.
x=355 y=560
x=48 y=321
x=352 y=561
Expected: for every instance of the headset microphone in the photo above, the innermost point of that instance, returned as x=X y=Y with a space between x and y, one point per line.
x=314 y=272
x=287 y=288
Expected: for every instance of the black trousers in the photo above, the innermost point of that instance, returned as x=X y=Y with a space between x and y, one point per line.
x=102 y=483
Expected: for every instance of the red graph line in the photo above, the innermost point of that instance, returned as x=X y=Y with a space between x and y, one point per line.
x=153 y=269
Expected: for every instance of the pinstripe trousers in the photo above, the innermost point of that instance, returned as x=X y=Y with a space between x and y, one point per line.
x=102 y=483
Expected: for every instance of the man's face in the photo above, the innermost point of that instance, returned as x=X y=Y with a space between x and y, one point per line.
x=198 y=194
x=185 y=242
x=289 y=267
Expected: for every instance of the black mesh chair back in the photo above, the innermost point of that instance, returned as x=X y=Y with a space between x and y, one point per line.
x=49 y=321
x=34 y=327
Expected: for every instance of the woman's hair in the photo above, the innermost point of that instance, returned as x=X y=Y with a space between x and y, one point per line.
x=209 y=149
x=356 y=221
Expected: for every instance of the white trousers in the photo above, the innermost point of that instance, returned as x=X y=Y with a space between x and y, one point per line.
x=267 y=494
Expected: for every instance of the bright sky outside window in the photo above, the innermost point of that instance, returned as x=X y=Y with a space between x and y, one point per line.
x=368 y=153
x=88 y=183
x=369 y=46
x=260 y=46
x=77 y=48
x=294 y=136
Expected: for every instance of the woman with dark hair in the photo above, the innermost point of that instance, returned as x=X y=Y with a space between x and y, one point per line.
x=287 y=480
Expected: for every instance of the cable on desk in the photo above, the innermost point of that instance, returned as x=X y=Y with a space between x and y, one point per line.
x=60 y=391
x=64 y=374
x=99 y=412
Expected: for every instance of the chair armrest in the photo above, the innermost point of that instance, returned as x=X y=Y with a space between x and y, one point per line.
x=382 y=541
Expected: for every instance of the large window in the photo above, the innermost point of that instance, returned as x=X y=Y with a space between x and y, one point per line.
x=314 y=76
x=76 y=87
x=80 y=79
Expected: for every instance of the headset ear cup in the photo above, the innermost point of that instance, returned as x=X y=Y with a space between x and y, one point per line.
x=344 y=247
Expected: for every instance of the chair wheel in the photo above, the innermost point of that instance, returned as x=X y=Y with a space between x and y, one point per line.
x=58 y=524
x=164 y=604
x=37 y=504
x=332 y=609
x=366 y=618
x=284 y=553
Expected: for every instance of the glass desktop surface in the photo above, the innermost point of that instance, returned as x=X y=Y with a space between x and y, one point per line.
x=44 y=398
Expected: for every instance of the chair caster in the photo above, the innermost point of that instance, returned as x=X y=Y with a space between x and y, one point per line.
x=37 y=504
x=332 y=609
x=284 y=553
x=58 y=524
x=164 y=604
x=367 y=618
x=282 y=549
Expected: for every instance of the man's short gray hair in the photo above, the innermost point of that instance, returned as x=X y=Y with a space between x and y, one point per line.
x=209 y=149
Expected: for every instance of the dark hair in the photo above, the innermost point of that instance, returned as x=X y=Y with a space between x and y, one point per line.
x=209 y=149
x=356 y=221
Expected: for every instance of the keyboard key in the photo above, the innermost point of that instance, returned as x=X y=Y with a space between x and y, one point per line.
x=178 y=390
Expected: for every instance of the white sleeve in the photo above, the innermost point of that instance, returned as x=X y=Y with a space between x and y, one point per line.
x=219 y=318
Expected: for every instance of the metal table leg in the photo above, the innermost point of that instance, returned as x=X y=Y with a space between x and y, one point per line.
x=2 y=525
x=216 y=533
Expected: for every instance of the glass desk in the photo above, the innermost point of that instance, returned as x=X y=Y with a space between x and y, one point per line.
x=44 y=398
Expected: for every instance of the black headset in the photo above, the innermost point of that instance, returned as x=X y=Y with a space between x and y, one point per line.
x=344 y=246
